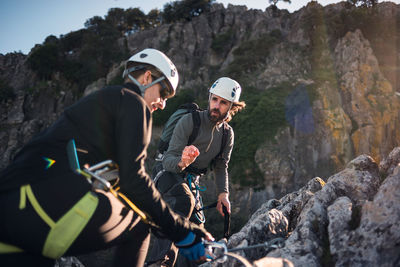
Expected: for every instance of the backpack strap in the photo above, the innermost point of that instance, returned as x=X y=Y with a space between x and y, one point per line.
x=224 y=139
x=196 y=126
x=189 y=106
x=225 y=130
x=195 y=132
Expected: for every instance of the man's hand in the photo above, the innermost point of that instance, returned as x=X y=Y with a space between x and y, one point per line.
x=223 y=199
x=189 y=154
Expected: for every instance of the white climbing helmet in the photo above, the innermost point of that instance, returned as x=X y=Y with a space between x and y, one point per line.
x=226 y=88
x=159 y=60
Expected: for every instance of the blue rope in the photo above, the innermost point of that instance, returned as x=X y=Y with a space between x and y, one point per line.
x=197 y=196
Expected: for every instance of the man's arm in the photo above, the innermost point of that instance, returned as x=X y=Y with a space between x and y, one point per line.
x=172 y=161
x=221 y=174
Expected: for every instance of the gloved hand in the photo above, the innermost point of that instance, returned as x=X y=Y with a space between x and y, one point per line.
x=192 y=247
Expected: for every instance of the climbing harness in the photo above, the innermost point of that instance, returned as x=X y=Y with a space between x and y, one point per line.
x=219 y=252
x=100 y=175
x=62 y=232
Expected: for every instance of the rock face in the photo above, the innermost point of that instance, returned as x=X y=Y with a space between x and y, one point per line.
x=367 y=96
x=351 y=220
x=346 y=120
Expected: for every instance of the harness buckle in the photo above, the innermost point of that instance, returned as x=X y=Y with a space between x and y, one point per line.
x=159 y=156
x=103 y=173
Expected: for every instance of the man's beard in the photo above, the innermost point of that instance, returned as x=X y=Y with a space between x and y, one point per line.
x=216 y=118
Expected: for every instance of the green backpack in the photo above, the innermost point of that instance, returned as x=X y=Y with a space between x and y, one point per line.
x=173 y=120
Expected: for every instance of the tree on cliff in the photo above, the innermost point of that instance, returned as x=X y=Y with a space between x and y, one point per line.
x=363 y=3
x=274 y=2
x=185 y=10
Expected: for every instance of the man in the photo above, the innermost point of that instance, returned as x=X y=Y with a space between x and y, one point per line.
x=183 y=159
x=48 y=210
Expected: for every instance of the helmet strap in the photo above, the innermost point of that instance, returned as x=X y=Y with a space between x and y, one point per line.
x=141 y=87
x=144 y=87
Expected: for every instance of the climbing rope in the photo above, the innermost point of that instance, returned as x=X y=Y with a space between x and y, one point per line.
x=219 y=252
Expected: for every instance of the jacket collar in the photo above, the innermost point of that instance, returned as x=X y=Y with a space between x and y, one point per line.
x=133 y=88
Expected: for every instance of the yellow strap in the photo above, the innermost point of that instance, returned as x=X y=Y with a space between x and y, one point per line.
x=126 y=200
x=22 y=198
x=130 y=204
x=6 y=248
x=63 y=233
x=68 y=228
x=26 y=189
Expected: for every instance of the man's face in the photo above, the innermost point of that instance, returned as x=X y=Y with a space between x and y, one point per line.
x=218 y=108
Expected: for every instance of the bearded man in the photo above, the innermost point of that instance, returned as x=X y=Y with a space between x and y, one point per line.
x=185 y=163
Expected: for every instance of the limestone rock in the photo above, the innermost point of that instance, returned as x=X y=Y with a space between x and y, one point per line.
x=375 y=242
x=308 y=243
x=368 y=98
x=388 y=165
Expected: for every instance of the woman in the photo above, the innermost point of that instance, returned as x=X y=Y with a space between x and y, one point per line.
x=49 y=211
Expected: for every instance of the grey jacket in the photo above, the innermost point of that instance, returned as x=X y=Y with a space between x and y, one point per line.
x=208 y=141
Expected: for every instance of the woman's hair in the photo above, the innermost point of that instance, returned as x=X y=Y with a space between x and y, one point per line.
x=236 y=107
x=135 y=74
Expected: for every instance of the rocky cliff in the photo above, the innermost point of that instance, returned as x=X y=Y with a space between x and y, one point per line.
x=351 y=220
x=338 y=79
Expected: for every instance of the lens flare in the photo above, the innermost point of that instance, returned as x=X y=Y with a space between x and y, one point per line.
x=49 y=161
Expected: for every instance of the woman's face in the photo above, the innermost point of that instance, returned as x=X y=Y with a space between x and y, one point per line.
x=153 y=96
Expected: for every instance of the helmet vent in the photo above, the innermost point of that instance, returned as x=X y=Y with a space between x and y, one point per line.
x=143 y=55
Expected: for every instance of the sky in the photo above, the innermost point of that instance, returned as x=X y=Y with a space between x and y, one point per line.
x=24 y=23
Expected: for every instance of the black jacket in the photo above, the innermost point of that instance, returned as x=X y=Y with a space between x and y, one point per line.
x=112 y=123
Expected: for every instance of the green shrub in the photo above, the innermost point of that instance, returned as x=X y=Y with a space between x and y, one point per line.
x=183 y=96
x=250 y=54
x=222 y=41
x=320 y=50
x=259 y=122
x=185 y=10
x=44 y=60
